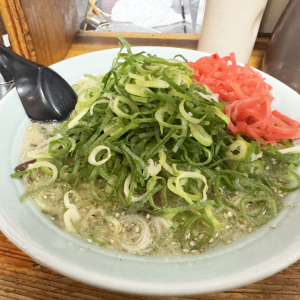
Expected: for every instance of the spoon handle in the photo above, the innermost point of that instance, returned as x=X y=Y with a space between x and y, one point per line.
x=5 y=63
x=11 y=64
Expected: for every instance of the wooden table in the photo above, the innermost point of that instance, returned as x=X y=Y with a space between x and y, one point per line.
x=22 y=278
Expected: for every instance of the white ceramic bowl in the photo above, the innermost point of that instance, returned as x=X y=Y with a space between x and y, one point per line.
x=252 y=258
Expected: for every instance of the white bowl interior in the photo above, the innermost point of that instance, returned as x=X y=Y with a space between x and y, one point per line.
x=254 y=257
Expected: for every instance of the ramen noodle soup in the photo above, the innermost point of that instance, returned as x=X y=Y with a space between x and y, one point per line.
x=147 y=165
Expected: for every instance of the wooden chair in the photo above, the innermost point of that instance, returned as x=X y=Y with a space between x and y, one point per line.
x=40 y=30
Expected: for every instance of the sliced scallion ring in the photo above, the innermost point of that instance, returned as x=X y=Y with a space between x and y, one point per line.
x=200 y=134
x=126 y=190
x=97 y=102
x=239 y=146
x=211 y=216
x=95 y=151
x=159 y=116
x=76 y=119
x=153 y=168
x=153 y=84
x=187 y=115
x=135 y=76
x=187 y=79
x=127 y=101
x=217 y=112
x=51 y=166
x=192 y=175
x=138 y=99
x=137 y=90
x=72 y=214
x=148 y=70
x=88 y=96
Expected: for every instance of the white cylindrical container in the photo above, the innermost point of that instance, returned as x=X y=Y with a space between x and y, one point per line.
x=231 y=26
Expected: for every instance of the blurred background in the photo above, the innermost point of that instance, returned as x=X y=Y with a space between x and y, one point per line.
x=97 y=15
x=162 y=16
x=50 y=31
x=44 y=31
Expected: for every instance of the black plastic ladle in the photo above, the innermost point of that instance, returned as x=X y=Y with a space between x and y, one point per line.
x=45 y=95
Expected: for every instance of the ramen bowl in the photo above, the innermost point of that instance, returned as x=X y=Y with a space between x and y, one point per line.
x=251 y=258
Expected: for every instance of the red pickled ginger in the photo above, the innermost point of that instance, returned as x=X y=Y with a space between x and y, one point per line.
x=248 y=97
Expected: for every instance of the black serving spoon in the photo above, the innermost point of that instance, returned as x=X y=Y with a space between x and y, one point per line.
x=45 y=95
